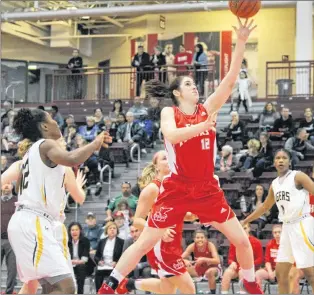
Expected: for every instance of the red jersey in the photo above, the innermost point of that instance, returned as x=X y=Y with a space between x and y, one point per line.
x=257 y=252
x=271 y=253
x=312 y=204
x=183 y=58
x=194 y=158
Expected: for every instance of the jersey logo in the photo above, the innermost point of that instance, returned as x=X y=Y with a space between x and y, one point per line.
x=223 y=210
x=161 y=215
x=179 y=264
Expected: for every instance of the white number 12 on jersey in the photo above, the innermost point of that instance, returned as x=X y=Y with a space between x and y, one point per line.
x=205 y=143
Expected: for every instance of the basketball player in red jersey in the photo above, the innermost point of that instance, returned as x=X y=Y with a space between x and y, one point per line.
x=207 y=261
x=168 y=251
x=189 y=134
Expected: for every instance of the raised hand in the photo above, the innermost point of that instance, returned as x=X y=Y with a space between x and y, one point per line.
x=80 y=179
x=244 y=30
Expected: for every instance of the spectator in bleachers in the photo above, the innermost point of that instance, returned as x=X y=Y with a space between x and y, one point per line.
x=171 y=71
x=158 y=61
x=250 y=158
x=92 y=231
x=205 y=259
x=298 y=145
x=7 y=209
x=7 y=105
x=71 y=135
x=269 y=272
x=131 y=132
x=227 y=160
x=236 y=129
x=69 y=121
x=265 y=156
x=90 y=130
x=154 y=112
x=142 y=269
x=55 y=114
x=98 y=116
x=141 y=61
x=79 y=247
x=284 y=125
x=122 y=223
x=308 y=124
x=125 y=196
x=258 y=198
x=117 y=109
x=4 y=163
x=75 y=64
x=244 y=84
x=233 y=271
x=200 y=61
x=10 y=138
x=183 y=58
x=268 y=117
x=105 y=157
x=109 y=251
x=138 y=109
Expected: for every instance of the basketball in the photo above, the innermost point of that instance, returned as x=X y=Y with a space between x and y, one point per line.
x=244 y=8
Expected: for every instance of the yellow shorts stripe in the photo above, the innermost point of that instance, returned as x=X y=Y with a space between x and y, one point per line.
x=65 y=241
x=40 y=242
x=307 y=241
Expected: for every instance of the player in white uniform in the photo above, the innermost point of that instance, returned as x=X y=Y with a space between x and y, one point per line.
x=290 y=191
x=41 y=195
x=73 y=186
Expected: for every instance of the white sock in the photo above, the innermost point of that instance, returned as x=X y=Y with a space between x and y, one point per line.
x=249 y=274
x=117 y=275
x=224 y=292
x=138 y=284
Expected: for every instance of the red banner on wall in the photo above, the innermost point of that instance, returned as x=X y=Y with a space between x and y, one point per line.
x=152 y=41
x=133 y=75
x=189 y=41
x=225 y=53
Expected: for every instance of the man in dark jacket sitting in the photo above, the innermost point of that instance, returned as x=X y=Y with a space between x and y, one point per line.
x=131 y=132
x=284 y=125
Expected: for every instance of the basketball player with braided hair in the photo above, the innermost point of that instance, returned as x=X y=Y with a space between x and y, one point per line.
x=41 y=194
x=190 y=140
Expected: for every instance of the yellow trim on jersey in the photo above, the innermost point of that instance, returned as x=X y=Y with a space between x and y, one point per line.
x=305 y=238
x=65 y=241
x=40 y=242
x=43 y=193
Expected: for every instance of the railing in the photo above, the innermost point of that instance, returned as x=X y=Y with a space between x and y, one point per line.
x=120 y=82
x=287 y=79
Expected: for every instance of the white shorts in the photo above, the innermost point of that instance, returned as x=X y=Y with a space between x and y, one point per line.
x=38 y=254
x=297 y=243
x=61 y=235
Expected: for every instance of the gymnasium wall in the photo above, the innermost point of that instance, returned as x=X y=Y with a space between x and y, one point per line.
x=275 y=35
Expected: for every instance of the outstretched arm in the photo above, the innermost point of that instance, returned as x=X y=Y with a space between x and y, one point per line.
x=12 y=173
x=215 y=101
x=263 y=208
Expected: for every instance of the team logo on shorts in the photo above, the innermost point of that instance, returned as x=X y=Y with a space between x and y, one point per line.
x=161 y=215
x=179 y=264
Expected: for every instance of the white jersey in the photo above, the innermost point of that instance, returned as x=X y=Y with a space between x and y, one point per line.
x=292 y=202
x=42 y=187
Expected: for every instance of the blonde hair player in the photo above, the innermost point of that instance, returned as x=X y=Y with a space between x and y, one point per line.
x=190 y=140
x=74 y=188
x=290 y=191
x=41 y=194
x=168 y=250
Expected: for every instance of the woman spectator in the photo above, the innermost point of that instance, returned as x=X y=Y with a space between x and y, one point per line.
x=258 y=198
x=227 y=161
x=117 y=109
x=171 y=71
x=69 y=121
x=265 y=156
x=109 y=251
x=236 y=129
x=10 y=138
x=200 y=62
x=79 y=250
x=205 y=259
x=70 y=139
x=158 y=61
x=268 y=117
x=90 y=130
x=98 y=116
x=249 y=159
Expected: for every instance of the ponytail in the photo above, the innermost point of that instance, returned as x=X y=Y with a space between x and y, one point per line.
x=148 y=175
x=23 y=147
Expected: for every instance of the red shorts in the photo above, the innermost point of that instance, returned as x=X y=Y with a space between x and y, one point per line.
x=201 y=269
x=165 y=258
x=177 y=197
